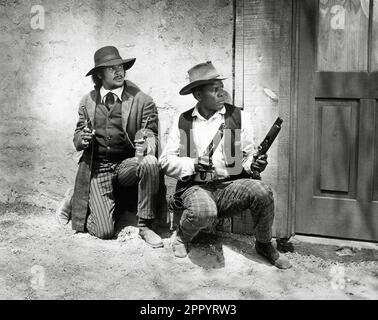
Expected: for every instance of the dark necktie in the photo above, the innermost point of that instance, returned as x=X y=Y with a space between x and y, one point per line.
x=109 y=100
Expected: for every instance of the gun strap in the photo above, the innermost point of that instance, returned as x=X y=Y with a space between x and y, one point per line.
x=214 y=143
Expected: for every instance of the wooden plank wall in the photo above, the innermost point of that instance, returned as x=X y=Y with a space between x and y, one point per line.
x=374 y=56
x=375 y=160
x=263 y=69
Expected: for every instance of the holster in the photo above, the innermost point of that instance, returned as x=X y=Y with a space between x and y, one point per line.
x=175 y=203
x=175 y=208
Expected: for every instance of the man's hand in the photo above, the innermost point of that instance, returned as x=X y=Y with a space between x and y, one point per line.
x=86 y=137
x=203 y=164
x=140 y=147
x=259 y=164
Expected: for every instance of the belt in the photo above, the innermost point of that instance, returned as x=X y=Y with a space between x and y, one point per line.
x=212 y=182
x=204 y=176
x=111 y=159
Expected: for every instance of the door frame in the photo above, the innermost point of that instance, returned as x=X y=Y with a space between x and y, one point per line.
x=300 y=29
x=294 y=96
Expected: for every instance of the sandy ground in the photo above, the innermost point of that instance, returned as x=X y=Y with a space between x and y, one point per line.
x=41 y=260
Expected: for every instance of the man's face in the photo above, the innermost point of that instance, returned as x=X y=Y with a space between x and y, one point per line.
x=112 y=77
x=212 y=96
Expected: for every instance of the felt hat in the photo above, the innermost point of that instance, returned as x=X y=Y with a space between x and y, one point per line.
x=109 y=56
x=199 y=75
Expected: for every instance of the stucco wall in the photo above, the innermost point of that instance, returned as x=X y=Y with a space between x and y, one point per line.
x=43 y=75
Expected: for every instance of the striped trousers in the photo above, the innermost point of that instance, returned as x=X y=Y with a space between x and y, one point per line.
x=106 y=176
x=204 y=203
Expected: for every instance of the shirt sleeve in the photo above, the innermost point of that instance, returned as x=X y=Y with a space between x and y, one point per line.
x=170 y=161
x=248 y=145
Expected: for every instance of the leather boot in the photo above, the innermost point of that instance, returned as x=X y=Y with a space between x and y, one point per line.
x=147 y=234
x=64 y=211
x=179 y=246
x=268 y=251
x=151 y=238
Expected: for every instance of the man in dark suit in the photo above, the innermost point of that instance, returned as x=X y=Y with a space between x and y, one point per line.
x=117 y=131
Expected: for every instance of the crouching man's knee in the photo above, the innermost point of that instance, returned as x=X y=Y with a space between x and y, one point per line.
x=201 y=217
x=102 y=233
x=262 y=193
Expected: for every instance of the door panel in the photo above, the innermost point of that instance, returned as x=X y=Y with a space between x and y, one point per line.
x=337 y=122
x=343 y=36
x=336 y=147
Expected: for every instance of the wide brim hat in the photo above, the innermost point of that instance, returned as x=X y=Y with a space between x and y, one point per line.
x=200 y=75
x=109 y=56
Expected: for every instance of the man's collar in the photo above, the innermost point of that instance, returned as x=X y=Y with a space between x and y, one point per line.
x=117 y=92
x=196 y=113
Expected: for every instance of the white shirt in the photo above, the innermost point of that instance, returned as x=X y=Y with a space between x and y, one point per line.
x=117 y=92
x=203 y=132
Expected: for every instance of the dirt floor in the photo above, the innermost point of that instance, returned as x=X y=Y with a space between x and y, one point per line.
x=41 y=260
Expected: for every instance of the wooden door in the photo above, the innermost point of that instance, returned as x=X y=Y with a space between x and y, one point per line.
x=337 y=128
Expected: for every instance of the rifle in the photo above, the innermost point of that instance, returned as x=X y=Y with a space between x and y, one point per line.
x=266 y=144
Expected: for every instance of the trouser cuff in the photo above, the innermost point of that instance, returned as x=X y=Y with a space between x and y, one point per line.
x=263 y=238
x=142 y=222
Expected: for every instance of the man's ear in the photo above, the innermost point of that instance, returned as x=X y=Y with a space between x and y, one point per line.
x=197 y=93
x=99 y=74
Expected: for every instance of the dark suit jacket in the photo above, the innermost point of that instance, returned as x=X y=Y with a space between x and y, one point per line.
x=136 y=108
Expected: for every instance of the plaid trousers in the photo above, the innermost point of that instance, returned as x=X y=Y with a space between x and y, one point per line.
x=204 y=203
x=108 y=175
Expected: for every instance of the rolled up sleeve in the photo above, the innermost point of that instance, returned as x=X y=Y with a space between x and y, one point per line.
x=170 y=161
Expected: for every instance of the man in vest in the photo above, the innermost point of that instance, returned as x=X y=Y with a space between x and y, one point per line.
x=109 y=132
x=210 y=152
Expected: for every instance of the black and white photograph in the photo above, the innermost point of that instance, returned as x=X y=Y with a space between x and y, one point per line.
x=211 y=152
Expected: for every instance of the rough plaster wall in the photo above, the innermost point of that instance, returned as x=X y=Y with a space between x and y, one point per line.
x=43 y=75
